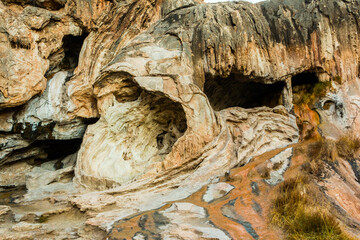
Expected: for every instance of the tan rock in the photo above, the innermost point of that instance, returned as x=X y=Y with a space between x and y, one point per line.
x=5 y=211
x=24 y=226
x=36 y=18
x=23 y=66
x=6 y=121
x=14 y=175
x=184 y=91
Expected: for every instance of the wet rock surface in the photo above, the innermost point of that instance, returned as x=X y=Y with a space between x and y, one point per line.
x=117 y=117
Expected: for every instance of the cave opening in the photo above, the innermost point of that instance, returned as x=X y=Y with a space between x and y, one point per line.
x=58 y=149
x=305 y=87
x=72 y=47
x=52 y=5
x=154 y=124
x=304 y=79
x=239 y=91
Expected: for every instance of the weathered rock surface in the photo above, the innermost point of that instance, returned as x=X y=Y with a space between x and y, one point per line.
x=279 y=164
x=216 y=191
x=118 y=108
x=14 y=175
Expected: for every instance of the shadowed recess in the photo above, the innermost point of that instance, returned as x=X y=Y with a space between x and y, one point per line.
x=47 y=4
x=72 y=46
x=238 y=91
x=304 y=78
x=57 y=149
x=307 y=88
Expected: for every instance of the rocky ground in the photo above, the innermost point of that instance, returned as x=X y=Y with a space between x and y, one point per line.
x=161 y=119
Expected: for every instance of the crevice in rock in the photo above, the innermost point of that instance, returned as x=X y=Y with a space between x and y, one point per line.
x=52 y=5
x=72 y=46
x=32 y=131
x=18 y=43
x=44 y=150
x=89 y=121
x=239 y=91
x=8 y=195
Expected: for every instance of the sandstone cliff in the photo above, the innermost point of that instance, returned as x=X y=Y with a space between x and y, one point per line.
x=113 y=112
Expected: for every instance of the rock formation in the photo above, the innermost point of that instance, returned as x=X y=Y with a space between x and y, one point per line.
x=113 y=112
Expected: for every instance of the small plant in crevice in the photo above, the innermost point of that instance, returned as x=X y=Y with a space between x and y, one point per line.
x=42 y=219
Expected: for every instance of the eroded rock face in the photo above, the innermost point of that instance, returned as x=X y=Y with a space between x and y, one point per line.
x=165 y=96
x=139 y=134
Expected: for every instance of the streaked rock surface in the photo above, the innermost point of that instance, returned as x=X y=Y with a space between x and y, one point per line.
x=116 y=116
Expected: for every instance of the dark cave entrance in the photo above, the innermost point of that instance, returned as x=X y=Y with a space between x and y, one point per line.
x=72 y=47
x=238 y=91
x=58 y=149
x=51 y=149
x=304 y=79
x=53 y=5
x=306 y=86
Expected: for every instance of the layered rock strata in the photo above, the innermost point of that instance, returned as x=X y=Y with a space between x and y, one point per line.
x=148 y=101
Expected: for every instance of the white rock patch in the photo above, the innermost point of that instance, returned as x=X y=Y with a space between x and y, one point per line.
x=283 y=158
x=216 y=191
x=188 y=221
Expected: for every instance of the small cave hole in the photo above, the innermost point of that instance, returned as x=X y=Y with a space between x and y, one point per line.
x=20 y=43
x=329 y=106
x=89 y=121
x=53 y=5
x=58 y=149
x=304 y=79
x=160 y=140
x=72 y=46
x=239 y=91
x=171 y=121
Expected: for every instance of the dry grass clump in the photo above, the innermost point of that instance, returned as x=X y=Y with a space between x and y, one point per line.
x=301 y=212
x=325 y=152
x=348 y=147
x=320 y=155
x=300 y=207
x=264 y=171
